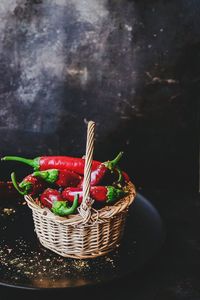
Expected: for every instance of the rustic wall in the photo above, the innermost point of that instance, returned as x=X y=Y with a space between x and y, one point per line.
x=131 y=66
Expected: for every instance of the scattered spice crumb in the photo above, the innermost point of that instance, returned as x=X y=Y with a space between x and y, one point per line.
x=81 y=264
x=111 y=261
x=8 y=211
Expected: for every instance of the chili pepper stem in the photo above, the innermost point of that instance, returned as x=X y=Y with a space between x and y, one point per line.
x=14 y=181
x=112 y=163
x=119 y=174
x=31 y=162
x=60 y=207
x=49 y=175
x=114 y=194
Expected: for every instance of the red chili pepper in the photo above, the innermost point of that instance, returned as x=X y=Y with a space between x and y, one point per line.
x=53 y=199
x=49 y=196
x=55 y=162
x=30 y=185
x=98 y=174
x=125 y=176
x=61 y=178
x=7 y=190
x=98 y=193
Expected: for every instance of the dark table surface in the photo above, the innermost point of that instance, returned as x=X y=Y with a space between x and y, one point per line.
x=173 y=273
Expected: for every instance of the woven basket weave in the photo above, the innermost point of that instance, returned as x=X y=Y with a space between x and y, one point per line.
x=89 y=233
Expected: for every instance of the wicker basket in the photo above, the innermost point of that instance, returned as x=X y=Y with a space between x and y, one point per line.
x=89 y=233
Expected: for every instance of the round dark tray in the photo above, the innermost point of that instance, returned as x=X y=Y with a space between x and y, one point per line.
x=25 y=263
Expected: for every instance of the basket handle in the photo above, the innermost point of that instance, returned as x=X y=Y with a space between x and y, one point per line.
x=85 y=207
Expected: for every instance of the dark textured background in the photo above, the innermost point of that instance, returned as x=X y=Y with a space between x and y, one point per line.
x=134 y=68
x=131 y=66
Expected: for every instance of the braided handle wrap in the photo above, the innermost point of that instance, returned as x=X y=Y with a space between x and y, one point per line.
x=85 y=207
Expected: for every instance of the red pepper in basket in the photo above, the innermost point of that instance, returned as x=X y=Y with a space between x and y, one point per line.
x=55 y=162
x=125 y=176
x=30 y=185
x=61 y=178
x=49 y=196
x=98 y=174
x=99 y=193
x=53 y=199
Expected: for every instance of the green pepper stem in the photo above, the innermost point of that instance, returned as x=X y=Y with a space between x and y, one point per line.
x=120 y=177
x=110 y=164
x=48 y=175
x=14 y=181
x=31 y=162
x=60 y=207
x=114 y=194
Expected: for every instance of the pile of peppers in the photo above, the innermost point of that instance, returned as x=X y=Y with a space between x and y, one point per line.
x=57 y=182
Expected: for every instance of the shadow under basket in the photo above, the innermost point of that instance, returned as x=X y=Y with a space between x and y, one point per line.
x=72 y=237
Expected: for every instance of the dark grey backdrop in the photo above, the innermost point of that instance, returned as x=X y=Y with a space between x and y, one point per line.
x=131 y=66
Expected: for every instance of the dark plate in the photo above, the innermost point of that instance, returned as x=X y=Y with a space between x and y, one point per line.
x=24 y=263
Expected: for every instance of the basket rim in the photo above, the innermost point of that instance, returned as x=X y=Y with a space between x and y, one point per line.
x=103 y=214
